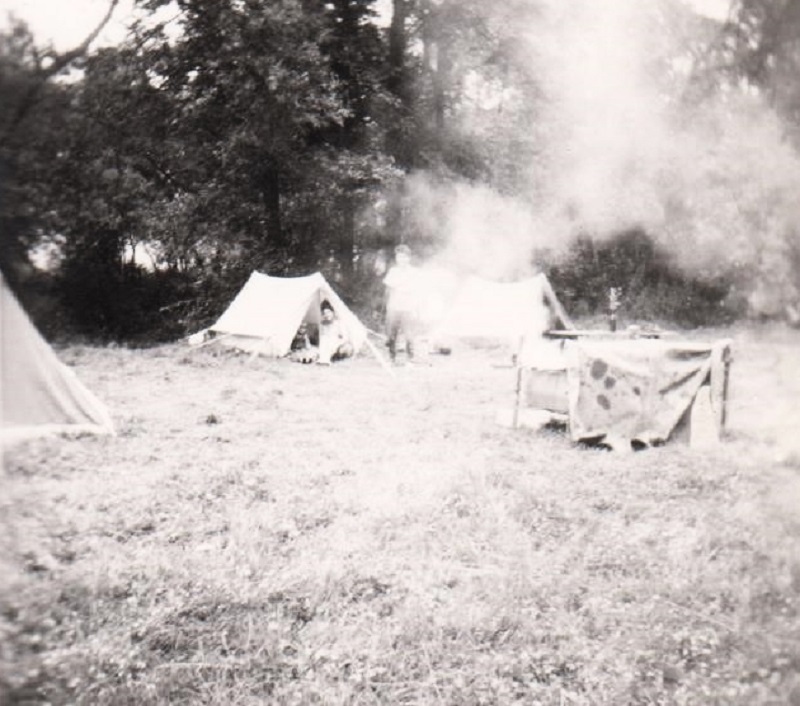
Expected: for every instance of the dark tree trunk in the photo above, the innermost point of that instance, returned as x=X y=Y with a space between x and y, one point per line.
x=345 y=249
x=397 y=135
x=398 y=41
x=271 y=192
x=440 y=72
x=436 y=61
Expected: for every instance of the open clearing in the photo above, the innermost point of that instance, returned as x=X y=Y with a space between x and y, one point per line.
x=266 y=532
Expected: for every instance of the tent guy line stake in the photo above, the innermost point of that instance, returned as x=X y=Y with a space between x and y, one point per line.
x=216 y=339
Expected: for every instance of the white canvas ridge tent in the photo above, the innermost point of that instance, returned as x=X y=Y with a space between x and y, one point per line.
x=266 y=313
x=448 y=307
x=39 y=395
x=508 y=310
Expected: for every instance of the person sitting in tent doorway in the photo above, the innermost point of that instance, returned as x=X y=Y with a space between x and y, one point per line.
x=401 y=302
x=333 y=341
x=302 y=349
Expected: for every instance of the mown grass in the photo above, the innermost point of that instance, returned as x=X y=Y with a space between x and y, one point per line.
x=266 y=532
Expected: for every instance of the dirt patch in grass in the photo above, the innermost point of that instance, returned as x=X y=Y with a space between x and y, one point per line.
x=266 y=532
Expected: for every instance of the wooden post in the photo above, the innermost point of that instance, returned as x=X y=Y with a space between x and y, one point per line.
x=517 y=397
x=720 y=374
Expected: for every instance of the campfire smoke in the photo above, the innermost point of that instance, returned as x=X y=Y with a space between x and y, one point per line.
x=713 y=180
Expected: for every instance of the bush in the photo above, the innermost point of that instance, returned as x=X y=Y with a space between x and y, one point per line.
x=128 y=304
x=651 y=287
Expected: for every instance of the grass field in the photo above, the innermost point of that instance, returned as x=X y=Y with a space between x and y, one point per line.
x=263 y=532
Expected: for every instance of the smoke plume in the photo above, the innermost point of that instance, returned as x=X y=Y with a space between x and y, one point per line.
x=714 y=182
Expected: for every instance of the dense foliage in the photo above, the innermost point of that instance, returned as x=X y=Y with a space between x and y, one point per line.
x=295 y=135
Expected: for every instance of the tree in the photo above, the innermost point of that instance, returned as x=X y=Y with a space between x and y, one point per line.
x=765 y=49
x=356 y=166
x=469 y=102
x=250 y=86
x=48 y=66
x=30 y=107
x=747 y=103
x=18 y=57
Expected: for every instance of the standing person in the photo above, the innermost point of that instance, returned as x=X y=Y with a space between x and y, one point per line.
x=333 y=341
x=401 y=301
